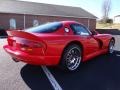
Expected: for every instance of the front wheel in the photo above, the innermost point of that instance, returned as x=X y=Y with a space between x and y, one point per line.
x=71 y=58
x=111 y=46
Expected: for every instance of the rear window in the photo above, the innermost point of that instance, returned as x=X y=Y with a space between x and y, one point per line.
x=45 y=28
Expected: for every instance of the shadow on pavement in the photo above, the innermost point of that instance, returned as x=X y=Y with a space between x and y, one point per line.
x=101 y=73
x=35 y=78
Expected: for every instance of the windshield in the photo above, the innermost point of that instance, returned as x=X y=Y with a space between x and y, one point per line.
x=45 y=28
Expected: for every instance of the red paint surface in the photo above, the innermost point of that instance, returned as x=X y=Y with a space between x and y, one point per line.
x=47 y=49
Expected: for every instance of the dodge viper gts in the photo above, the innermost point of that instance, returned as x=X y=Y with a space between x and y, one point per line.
x=63 y=43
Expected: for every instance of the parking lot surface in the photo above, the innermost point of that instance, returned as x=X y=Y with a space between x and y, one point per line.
x=100 y=73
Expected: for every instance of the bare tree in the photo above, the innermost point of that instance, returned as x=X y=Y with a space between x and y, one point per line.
x=106 y=9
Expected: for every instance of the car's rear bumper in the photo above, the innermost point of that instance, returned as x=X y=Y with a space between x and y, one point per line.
x=32 y=59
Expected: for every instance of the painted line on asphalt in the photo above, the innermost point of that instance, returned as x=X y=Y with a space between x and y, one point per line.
x=118 y=55
x=51 y=78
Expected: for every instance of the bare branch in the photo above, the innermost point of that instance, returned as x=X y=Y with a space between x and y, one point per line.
x=106 y=9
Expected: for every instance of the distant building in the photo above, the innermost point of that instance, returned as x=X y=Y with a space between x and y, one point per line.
x=20 y=14
x=117 y=19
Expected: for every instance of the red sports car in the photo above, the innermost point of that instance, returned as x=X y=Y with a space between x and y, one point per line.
x=64 y=43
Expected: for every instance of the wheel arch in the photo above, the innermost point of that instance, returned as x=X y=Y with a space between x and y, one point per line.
x=112 y=38
x=73 y=42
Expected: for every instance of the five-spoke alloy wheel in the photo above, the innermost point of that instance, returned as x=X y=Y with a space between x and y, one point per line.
x=111 y=46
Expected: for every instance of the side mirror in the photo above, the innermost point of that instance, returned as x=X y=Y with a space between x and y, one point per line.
x=94 y=32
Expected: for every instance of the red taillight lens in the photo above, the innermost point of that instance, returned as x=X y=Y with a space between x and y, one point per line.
x=32 y=47
x=31 y=44
x=36 y=45
x=28 y=45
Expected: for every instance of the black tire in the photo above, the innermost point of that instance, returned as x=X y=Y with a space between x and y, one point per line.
x=111 y=46
x=71 y=58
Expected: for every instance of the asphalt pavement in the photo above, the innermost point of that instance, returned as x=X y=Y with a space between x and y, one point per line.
x=100 y=73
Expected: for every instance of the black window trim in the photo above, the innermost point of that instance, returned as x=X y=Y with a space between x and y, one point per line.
x=81 y=26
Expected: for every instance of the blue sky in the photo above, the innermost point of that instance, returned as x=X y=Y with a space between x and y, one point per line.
x=92 y=6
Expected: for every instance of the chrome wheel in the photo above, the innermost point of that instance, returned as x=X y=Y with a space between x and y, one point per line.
x=111 y=46
x=73 y=58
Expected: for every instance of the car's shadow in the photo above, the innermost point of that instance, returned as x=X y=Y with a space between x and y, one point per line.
x=35 y=78
x=101 y=73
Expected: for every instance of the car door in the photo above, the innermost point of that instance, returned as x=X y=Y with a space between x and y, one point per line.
x=90 y=45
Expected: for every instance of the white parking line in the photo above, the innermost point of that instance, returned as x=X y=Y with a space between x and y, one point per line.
x=51 y=78
x=117 y=55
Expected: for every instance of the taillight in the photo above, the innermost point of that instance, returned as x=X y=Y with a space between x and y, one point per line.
x=34 y=48
x=36 y=45
x=29 y=45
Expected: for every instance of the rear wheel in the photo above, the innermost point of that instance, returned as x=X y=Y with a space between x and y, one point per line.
x=111 y=46
x=71 y=58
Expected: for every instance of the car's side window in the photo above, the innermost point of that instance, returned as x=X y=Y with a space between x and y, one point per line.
x=79 y=29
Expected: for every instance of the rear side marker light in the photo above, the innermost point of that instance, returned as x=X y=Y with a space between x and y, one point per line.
x=29 y=49
x=23 y=48
x=26 y=49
